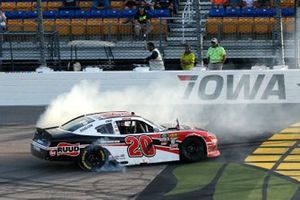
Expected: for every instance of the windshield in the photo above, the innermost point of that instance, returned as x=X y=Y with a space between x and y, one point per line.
x=76 y=123
x=160 y=127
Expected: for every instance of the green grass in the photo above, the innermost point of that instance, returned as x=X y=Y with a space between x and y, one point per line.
x=194 y=176
x=280 y=189
x=237 y=182
x=240 y=182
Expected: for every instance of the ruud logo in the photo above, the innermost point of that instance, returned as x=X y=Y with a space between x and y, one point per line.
x=68 y=149
x=233 y=87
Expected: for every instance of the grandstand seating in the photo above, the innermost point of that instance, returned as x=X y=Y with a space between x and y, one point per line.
x=78 y=27
x=213 y=26
x=249 y=12
x=94 y=27
x=230 y=25
x=15 y=25
x=288 y=24
x=246 y=25
x=230 y=21
x=30 y=25
x=49 y=25
x=63 y=26
x=8 y=6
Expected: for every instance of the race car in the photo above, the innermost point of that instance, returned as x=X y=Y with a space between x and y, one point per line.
x=123 y=138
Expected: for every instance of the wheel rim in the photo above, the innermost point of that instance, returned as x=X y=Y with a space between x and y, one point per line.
x=94 y=159
x=192 y=149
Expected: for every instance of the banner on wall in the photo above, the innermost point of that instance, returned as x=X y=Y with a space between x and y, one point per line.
x=239 y=87
x=197 y=87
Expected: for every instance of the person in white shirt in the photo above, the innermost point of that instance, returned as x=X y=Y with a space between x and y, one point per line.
x=155 y=60
x=248 y=3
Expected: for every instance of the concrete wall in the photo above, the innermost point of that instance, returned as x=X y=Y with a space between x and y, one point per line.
x=197 y=87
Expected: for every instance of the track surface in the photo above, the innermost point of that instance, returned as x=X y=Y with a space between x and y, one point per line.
x=24 y=177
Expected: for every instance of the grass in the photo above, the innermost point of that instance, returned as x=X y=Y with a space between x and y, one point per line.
x=237 y=182
x=194 y=176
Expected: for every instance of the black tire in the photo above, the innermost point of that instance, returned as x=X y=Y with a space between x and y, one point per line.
x=92 y=158
x=192 y=149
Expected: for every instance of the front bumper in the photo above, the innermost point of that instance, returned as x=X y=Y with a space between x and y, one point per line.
x=212 y=150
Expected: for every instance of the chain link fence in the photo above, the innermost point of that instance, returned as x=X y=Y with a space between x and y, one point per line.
x=242 y=37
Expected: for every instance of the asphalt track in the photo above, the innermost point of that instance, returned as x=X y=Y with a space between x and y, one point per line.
x=24 y=177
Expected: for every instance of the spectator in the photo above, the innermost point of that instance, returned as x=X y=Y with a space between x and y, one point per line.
x=2 y=21
x=187 y=59
x=103 y=3
x=219 y=3
x=262 y=3
x=165 y=4
x=142 y=22
x=248 y=3
x=216 y=55
x=148 y=4
x=155 y=60
x=69 y=5
x=235 y=3
x=130 y=4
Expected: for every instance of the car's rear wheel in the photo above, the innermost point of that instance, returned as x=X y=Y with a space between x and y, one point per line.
x=192 y=149
x=92 y=158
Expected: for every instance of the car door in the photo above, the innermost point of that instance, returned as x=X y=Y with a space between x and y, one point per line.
x=142 y=143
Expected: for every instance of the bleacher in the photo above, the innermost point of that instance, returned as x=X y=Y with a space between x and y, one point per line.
x=254 y=23
x=252 y=27
x=84 y=22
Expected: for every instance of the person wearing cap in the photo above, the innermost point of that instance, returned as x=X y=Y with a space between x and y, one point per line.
x=187 y=59
x=216 y=55
x=155 y=59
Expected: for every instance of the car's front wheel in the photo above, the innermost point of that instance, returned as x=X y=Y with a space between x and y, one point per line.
x=192 y=149
x=92 y=158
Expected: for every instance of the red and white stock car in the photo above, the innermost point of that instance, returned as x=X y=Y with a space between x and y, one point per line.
x=97 y=139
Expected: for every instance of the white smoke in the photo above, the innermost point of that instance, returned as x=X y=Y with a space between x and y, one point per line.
x=163 y=103
x=155 y=102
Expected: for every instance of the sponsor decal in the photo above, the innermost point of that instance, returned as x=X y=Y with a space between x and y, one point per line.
x=173 y=143
x=173 y=139
x=52 y=153
x=245 y=87
x=117 y=157
x=68 y=149
x=108 y=141
x=164 y=139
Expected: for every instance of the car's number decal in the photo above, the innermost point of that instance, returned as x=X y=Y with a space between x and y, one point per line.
x=139 y=146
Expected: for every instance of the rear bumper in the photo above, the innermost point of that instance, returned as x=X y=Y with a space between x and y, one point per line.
x=44 y=152
x=39 y=151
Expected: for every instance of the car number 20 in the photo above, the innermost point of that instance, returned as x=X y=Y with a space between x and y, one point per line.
x=139 y=146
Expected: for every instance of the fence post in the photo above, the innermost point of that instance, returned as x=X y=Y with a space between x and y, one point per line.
x=41 y=34
x=279 y=51
x=296 y=34
x=199 y=33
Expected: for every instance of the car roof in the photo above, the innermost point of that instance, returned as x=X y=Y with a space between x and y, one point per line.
x=111 y=114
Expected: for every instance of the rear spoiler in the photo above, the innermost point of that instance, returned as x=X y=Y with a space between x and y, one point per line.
x=41 y=129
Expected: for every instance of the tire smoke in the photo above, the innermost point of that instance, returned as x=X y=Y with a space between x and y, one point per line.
x=154 y=102
x=163 y=103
